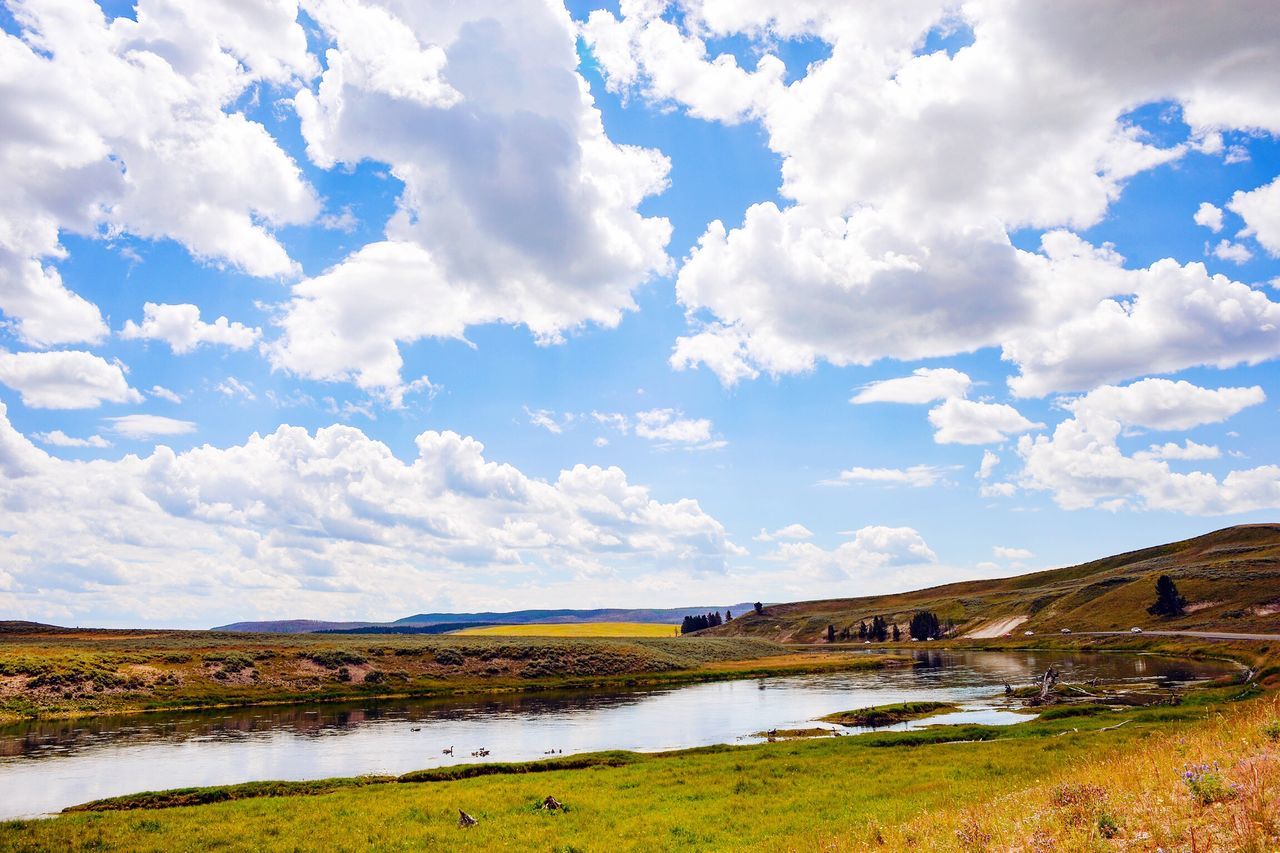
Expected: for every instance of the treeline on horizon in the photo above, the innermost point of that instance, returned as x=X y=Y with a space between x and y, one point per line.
x=703 y=621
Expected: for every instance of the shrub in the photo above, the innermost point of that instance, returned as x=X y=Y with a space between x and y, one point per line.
x=344 y=674
x=1206 y=784
x=1272 y=730
x=334 y=658
x=375 y=676
x=449 y=657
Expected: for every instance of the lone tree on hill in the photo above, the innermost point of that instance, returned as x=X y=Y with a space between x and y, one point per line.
x=759 y=608
x=1168 y=601
x=925 y=626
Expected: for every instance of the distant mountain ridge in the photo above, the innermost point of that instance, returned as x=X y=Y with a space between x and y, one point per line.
x=670 y=615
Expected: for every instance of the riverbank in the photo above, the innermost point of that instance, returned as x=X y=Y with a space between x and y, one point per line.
x=77 y=674
x=1054 y=782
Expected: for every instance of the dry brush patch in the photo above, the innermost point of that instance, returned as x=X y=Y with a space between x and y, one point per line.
x=1212 y=788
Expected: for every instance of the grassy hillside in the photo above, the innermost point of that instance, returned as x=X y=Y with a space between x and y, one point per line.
x=1230 y=578
x=574 y=629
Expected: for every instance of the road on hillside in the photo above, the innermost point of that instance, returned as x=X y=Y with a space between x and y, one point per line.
x=1204 y=635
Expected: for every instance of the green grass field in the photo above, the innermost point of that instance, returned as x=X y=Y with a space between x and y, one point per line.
x=902 y=790
x=575 y=629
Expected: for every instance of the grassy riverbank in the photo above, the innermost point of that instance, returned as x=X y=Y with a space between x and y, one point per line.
x=1049 y=781
x=77 y=673
x=888 y=715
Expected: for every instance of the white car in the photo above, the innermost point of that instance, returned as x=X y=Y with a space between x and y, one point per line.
x=1135 y=630
x=1028 y=633
x=1066 y=630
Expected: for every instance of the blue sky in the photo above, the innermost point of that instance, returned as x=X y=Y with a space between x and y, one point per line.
x=1077 y=270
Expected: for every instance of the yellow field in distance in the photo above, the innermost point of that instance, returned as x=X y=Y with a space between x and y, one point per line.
x=574 y=629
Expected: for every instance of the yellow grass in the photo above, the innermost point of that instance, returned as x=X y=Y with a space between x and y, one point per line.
x=576 y=629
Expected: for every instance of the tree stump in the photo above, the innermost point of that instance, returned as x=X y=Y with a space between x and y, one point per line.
x=551 y=804
x=1047 y=682
x=465 y=820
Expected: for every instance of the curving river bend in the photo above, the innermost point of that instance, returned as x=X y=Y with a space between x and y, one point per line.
x=48 y=765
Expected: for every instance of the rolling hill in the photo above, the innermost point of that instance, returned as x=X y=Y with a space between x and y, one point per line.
x=664 y=616
x=1230 y=578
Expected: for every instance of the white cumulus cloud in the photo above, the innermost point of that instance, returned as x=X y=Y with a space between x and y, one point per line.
x=917 y=476
x=182 y=329
x=1209 y=216
x=517 y=207
x=127 y=126
x=924 y=385
x=326 y=520
x=142 y=427
x=791 y=531
x=904 y=173
x=959 y=421
x=65 y=379
x=1082 y=465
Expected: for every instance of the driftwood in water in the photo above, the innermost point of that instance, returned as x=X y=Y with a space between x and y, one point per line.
x=465 y=820
x=1047 y=682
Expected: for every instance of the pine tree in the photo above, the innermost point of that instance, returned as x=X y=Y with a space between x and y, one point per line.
x=925 y=626
x=831 y=633
x=759 y=608
x=897 y=635
x=1168 y=601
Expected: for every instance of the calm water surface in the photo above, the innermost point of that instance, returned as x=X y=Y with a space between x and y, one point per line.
x=46 y=766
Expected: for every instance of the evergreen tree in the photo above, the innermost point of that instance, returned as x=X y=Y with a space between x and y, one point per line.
x=728 y=616
x=759 y=608
x=862 y=630
x=879 y=629
x=925 y=626
x=1168 y=601
x=831 y=633
x=897 y=635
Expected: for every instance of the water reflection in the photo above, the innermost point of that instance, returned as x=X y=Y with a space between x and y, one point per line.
x=47 y=765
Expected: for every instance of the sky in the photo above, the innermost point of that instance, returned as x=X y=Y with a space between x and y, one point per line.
x=347 y=309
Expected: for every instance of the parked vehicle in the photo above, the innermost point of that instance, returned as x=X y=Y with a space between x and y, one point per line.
x=1135 y=630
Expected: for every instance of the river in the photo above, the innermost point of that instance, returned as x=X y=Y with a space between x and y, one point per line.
x=48 y=765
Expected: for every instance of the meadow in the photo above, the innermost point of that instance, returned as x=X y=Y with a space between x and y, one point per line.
x=1106 y=779
x=574 y=629
x=72 y=672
